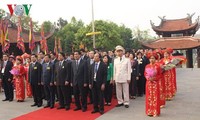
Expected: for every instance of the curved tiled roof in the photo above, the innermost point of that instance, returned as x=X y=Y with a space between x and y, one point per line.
x=12 y=35
x=176 y=25
x=177 y=43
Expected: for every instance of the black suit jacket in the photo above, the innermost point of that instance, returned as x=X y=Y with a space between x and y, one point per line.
x=62 y=73
x=34 y=75
x=135 y=69
x=80 y=75
x=8 y=68
x=101 y=75
x=47 y=73
x=85 y=57
x=141 y=67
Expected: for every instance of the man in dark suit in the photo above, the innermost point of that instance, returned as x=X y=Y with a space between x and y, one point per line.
x=47 y=81
x=80 y=81
x=7 y=78
x=83 y=54
x=98 y=78
x=62 y=81
x=54 y=61
x=35 y=70
x=90 y=61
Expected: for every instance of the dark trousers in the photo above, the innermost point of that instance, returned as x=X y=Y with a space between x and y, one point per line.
x=80 y=90
x=55 y=91
x=37 y=95
x=8 y=89
x=108 y=92
x=43 y=92
x=89 y=93
x=98 y=97
x=140 y=85
x=50 y=94
x=64 y=95
x=133 y=86
x=144 y=85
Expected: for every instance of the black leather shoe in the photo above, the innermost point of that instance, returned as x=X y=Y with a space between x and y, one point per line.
x=101 y=112
x=46 y=106
x=67 y=108
x=39 y=105
x=34 y=105
x=84 y=109
x=94 y=111
x=5 y=100
x=76 y=109
x=119 y=105
x=90 y=103
x=12 y=100
x=126 y=106
x=61 y=107
x=51 y=107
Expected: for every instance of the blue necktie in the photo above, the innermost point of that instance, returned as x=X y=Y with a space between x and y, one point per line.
x=95 y=69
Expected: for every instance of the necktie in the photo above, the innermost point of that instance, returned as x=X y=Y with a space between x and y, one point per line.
x=120 y=59
x=76 y=64
x=95 y=69
x=60 y=64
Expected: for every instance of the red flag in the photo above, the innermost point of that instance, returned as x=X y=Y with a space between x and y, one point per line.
x=31 y=36
x=43 y=41
x=20 y=41
x=59 y=45
x=56 y=47
x=4 y=35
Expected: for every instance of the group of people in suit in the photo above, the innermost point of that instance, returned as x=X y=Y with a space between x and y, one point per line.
x=94 y=75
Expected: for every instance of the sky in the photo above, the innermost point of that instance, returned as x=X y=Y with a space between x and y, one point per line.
x=131 y=13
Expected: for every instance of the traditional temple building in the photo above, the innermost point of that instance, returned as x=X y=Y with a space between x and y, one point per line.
x=12 y=37
x=177 y=34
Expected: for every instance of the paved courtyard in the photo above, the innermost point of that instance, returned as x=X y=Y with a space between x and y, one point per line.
x=185 y=106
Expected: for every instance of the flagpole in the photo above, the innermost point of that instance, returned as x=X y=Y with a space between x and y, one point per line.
x=93 y=26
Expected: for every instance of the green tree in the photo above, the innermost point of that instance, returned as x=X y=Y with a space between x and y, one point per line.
x=25 y=22
x=141 y=36
x=61 y=23
x=126 y=36
x=107 y=40
x=67 y=33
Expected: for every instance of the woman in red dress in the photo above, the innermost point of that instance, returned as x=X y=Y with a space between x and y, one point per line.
x=28 y=85
x=174 y=86
x=162 y=80
x=18 y=72
x=152 y=74
x=168 y=78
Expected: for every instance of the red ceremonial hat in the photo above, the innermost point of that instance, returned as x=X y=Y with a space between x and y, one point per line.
x=25 y=55
x=149 y=54
x=19 y=58
x=169 y=50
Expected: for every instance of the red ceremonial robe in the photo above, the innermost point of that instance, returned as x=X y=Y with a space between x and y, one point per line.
x=19 y=83
x=168 y=80
x=161 y=86
x=28 y=85
x=152 y=89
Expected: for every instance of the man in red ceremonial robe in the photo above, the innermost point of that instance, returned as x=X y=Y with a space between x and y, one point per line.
x=152 y=74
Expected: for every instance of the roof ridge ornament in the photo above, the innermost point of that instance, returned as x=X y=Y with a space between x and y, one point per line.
x=189 y=18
